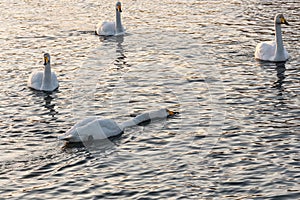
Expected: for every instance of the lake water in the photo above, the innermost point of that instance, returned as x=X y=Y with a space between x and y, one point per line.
x=237 y=135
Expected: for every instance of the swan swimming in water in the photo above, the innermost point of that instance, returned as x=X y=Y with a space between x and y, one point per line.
x=111 y=28
x=273 y=50
x=43 y=80
x=95 y=128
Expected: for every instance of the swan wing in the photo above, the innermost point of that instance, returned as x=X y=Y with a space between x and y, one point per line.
x=72 y=134
x=106 y=29
x=92 y=127
x=108 y=128
x=286 y=54
x=54 y=81
x=265 y=51
x=35 y=80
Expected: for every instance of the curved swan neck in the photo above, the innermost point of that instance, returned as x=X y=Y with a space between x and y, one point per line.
x=278 y=39
x=119 y=27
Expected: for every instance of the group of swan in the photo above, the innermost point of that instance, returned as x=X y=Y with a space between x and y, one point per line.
x=47 y=80
x=96 y=128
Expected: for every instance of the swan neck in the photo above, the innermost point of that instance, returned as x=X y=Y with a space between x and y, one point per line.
x=135 y=121
x=139 y=119
x=278 y=40
x=127 y=124
x=119 y=27
x=47 y=74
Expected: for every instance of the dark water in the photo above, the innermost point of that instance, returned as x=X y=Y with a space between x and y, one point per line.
x=237 y=135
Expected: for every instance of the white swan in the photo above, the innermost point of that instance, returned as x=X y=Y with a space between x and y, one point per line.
x=111 y=28
x=95 y=128
x=43 y=80
x=274 y=50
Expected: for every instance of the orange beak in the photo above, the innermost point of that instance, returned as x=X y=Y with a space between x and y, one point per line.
x=46 y=60
x=171 y=113
x=119 y=8
x=283 y=21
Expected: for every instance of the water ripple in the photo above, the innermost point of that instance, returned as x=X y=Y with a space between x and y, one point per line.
x=237 y=133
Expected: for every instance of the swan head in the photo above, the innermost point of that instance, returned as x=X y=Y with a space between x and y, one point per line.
x=171 y=113
x=279 y=19
x=118 y=6
x=46 y=58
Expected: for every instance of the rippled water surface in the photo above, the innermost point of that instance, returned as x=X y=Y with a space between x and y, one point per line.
x=237 y=135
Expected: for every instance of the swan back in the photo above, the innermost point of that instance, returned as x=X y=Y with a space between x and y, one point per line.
x=92 y=128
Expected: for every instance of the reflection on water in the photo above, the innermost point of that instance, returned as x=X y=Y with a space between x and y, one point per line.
x=280 y=69
x=45 y=99
x=238 y=132
x=48 y=98
x=120 y=61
